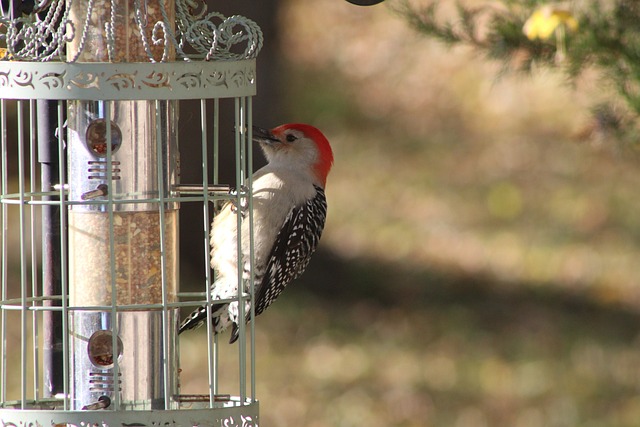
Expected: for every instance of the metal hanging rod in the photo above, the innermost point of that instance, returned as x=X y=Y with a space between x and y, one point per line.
x=186 y=189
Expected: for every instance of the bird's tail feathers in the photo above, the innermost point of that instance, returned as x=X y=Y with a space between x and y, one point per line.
x=235 y=333
x=199 y=316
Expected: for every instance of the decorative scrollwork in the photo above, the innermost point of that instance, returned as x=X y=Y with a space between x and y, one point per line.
x=122 y=81
x=24 y=78
x=85 y=80
x=20 y=78
x=156 y=79
x=53 y=80
x=248 y=421
x=240 y=78
x=217 y=78
x=239 y=421
x=177 y=80
x=4 y=78
x=36 y=37
x=65 y=32
x=190 y=80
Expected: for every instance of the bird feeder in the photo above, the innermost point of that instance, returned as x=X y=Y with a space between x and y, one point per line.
x=90 y=195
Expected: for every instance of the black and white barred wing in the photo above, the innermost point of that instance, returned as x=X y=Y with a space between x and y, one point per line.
x=292 y=250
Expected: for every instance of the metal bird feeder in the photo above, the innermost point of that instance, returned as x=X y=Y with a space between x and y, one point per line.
x=90 y=196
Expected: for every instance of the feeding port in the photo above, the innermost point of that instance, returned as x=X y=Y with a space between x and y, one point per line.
x=90 y=95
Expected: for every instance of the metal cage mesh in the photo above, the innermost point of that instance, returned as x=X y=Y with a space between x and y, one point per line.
x=113 y=166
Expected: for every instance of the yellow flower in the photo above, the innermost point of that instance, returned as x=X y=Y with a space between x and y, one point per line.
x=3 y=53
x=545 y=20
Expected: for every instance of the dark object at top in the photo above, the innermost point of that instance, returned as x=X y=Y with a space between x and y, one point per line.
x=365 y=2
x=23 y=7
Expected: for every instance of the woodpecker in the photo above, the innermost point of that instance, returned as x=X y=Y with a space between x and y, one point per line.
x=289 y=212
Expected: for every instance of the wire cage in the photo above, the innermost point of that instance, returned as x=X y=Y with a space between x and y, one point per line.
x=90 y=195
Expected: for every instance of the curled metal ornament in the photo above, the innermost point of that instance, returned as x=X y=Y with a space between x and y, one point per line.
x=43 y=36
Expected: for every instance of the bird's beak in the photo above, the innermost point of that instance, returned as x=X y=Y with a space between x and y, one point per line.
x=264 y=135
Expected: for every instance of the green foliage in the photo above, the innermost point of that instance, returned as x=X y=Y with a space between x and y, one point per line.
x=607 y=38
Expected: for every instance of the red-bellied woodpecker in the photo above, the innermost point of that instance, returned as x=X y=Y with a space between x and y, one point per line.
x=289 y=211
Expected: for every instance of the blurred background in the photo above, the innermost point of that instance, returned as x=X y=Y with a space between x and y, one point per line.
x=479 y=266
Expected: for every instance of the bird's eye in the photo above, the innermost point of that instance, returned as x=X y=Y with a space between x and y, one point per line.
x=291 y=137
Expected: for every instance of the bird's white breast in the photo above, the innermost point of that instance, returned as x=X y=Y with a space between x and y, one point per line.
x=275 y=193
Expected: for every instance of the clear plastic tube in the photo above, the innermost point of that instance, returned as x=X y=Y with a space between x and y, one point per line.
x=137 y=257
